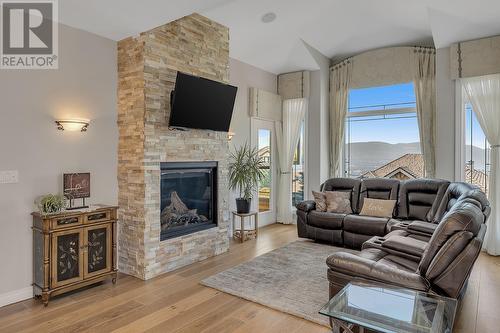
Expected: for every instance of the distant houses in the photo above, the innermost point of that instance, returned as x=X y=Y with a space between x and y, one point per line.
x=411 y=166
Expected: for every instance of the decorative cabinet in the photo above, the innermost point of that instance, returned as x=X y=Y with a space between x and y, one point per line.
x=73 y=249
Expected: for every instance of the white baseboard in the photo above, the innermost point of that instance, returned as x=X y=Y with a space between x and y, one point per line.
x=15 y=296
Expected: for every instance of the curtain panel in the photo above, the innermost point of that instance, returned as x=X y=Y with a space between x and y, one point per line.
x=484 y=95
x=340 y=80
x=424 y=79
x=287 y=137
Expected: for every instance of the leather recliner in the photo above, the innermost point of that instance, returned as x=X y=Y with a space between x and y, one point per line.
x=324 y=226
x=358 y=229
x=444 y=266
x=411 y=242
x=417 y=202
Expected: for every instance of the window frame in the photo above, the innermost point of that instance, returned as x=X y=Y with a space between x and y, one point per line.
x=460 y=134
x=304 y=171
x=383 y=111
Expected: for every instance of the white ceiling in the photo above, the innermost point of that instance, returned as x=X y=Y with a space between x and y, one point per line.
x=337 y=28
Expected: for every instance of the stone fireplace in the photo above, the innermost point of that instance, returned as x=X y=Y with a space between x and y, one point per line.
x=188 y=192
x=147 y=69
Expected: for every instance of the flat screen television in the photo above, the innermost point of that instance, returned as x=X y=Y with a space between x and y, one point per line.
x=201 y=103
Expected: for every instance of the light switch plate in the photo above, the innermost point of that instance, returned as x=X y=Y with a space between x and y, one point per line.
x=9 y=177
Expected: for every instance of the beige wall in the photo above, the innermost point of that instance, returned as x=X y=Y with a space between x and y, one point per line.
x=245 y=76
x=83 y=86
x=318 y=138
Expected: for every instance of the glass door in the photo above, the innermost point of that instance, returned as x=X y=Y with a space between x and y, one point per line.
x=263 y=138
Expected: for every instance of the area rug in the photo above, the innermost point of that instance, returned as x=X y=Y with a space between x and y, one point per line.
x=290 y=279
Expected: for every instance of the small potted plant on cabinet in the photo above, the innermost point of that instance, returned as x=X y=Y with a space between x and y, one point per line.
x=246 y=170
x=51 y=203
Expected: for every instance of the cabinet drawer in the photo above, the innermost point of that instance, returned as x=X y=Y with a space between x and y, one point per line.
x=66 y=221
x=99 y=216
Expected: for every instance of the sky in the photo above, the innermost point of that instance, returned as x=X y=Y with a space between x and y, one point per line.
x=403 y=130
x=395 y=130
x=385 y=130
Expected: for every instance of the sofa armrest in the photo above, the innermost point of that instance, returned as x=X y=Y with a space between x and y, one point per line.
x=306 y=206
x=357 y=266
x=404 y=244
x=422 y=227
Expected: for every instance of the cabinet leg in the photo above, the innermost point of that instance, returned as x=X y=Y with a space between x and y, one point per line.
x=45 y=299
x=113 y=279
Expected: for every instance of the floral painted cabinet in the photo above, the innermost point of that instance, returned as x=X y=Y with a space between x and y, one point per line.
x=73 y=249
x=80 y=254
x=67 y=252
x=97 y=255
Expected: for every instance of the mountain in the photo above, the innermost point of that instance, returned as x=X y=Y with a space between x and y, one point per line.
x=367 y=156
x=478 y=155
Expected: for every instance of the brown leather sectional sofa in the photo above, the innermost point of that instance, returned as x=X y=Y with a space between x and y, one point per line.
x=430 y=243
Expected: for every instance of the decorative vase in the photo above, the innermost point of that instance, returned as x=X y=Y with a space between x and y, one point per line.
x=243 y=205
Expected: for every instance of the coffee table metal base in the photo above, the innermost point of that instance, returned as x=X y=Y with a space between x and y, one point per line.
x=338 y=326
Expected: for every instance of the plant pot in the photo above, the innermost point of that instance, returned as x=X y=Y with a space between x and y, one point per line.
x=243 y=205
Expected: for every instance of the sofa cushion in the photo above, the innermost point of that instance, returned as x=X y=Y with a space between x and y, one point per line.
x=325 y=220
x=338 y=202
x=419 y=199
x=378 y=188
x=365 y=225
x=454 y=192
x=404 y=244
x=349 y=185
x=377 y=207
x=319 y=201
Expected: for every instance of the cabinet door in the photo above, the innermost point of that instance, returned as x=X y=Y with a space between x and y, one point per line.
x=67 y=257
x=97 y=257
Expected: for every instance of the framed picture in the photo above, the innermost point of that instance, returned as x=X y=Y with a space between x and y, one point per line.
x=76 y=185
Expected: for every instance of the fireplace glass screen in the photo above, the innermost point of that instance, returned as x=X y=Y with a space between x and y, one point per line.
x=188 y=198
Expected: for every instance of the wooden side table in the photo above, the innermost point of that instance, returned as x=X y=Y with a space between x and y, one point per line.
x=241 y=233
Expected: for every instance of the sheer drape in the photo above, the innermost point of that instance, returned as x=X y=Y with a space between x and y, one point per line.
x=340 y=80
x=484 y=95
x=287 y=137
x=424 y=78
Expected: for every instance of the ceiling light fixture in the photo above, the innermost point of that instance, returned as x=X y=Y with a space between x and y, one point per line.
x=268 y=17
x=73 y=125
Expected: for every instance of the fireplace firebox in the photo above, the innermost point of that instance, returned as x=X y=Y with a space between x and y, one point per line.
x=188 y=198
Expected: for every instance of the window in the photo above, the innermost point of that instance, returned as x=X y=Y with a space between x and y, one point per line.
x=381 y=136
x=264 y=141
x=298 y=170
x=477 y=151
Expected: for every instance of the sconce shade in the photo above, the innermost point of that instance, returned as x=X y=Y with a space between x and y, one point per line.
x=72 y=125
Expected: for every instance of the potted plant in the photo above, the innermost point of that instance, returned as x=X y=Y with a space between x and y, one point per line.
x=245 y=171
x=51 y=203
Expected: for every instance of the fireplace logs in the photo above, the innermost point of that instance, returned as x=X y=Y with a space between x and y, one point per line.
x=178 y=214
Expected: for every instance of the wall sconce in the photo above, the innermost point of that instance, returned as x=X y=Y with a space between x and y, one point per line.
x=73 y=125
x=230 y=135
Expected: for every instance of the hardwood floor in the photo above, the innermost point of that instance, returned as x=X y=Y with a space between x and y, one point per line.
x=176 y=302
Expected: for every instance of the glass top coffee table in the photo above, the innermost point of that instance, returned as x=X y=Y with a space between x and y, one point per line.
x=384 y=308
